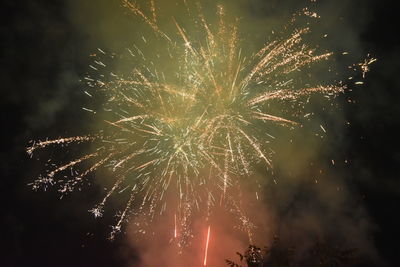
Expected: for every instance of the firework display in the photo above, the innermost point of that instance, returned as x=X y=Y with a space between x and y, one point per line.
x=187 y=122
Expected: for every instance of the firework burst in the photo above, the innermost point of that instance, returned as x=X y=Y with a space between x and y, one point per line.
x=193 y=129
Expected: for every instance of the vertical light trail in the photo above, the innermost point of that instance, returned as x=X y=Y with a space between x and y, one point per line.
x=206 y=251
x=175 y=231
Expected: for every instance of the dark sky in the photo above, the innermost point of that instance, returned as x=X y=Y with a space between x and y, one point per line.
x=43 y=55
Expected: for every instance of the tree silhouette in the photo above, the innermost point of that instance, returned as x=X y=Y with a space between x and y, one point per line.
x=277 y=255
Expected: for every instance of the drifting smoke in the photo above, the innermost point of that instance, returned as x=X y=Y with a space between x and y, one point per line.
x=160 y=249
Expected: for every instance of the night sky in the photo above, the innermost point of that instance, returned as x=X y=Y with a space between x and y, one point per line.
x=44 y=55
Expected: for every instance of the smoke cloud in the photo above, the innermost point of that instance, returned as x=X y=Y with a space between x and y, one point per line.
x=309 y=195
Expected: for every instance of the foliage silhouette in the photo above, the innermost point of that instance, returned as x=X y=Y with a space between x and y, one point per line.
x=277 y=255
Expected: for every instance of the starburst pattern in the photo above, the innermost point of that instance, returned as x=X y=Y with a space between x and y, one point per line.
x=191 y=130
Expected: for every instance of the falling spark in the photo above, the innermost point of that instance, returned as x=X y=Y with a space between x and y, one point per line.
x=365 y=65
x=175 y=230
x=207 y=241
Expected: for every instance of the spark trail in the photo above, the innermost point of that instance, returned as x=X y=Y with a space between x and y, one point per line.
x=192 y=129
x=206 y=249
